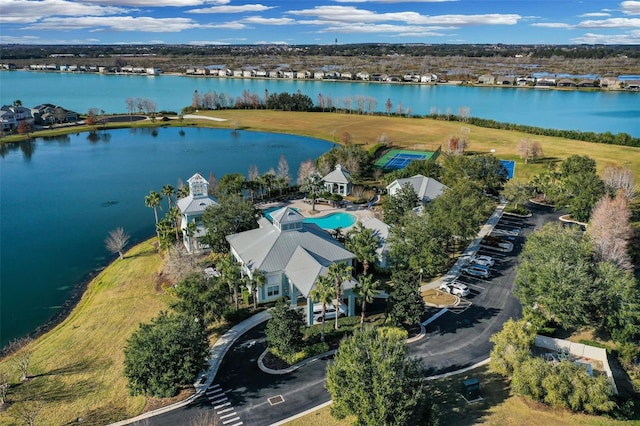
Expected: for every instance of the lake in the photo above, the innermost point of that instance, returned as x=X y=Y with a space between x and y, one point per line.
x=61 y=196
x=597 y=111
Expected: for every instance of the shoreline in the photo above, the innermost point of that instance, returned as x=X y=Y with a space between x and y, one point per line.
x=77 y=292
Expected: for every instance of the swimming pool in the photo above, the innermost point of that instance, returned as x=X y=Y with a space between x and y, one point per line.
x=331 y=221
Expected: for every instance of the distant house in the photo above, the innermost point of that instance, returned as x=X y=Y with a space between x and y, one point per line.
x=632 y=84
x=487 y=79
x=192 y=209
x=587 y=82
x=292 y=255
x=610 y=83
x=426 y=188
x=362 y=76
x=545 y=82
x=505 y=81
x=338 y=181
x=8 y=122
x=566 y=82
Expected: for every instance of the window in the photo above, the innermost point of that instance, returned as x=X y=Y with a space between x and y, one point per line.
x=273 y=290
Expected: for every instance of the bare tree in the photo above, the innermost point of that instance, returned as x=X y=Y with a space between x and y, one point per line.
x=383 y=139
x=179 y=263
x=464 y=113
x=306 y=168
x=455 y=145
x=4 y=387
x=618 y=178
x=610 y=230
x=29 y=411
x=116 y=241
x=213 y=184
x=22 y=360
x=529 y=150
x=131 y=106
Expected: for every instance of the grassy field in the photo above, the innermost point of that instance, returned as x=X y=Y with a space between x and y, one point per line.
x=497 y=407
x=77 y=368
x=406 y=132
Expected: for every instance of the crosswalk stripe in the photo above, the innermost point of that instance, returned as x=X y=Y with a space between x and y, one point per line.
x=226 y=404
x=225 y=410
x=237 y=424
x=227 y=415
x=229 y=421
x=220 y=400
x=215 y=395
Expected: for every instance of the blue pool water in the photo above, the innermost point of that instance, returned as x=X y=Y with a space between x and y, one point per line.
x=331 y=221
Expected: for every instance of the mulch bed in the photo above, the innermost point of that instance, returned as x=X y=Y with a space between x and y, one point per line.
x=412 y=330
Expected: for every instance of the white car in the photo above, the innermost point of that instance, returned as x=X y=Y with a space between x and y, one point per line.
x=476 y=271
x=329 y=314
x=456 y=288
x=483 y=260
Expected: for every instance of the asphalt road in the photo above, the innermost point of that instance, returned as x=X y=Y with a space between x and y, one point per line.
x=243 y=395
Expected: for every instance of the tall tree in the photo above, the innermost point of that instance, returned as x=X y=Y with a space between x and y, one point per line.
x=168 y=191
x=339 y=273
x=258 y=280
x=405 y=305
x=202 y=298
x=362 y=242
x=610 y=231
x=511 y=346
x=284 y=329
x=582 y=187
x=166 y=354
x=116 y=241
x=618 y=178
x=283 y=172
x=313 y=186
x=153 y=201
x=232 y=215
x=373 y=379
x=232 y=276
x=366 y=290
x=231 y=183
x=323 y=293
x=399 y=204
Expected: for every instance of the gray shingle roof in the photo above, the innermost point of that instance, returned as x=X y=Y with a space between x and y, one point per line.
x=339 y=175
x=426 y=188
x=268 y=249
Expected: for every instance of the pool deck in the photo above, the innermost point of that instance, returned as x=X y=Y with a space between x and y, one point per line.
x=360 y=211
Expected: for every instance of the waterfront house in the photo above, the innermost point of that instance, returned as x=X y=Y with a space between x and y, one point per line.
x=338 y=181
x=632 y=84
x=505 y=81
x=610 y=83
x=545 y=82
x=8 y=122
x=566 y=82
x=587 y=82
x=487 y=79
x=292 y=255
x=426 y=188
x=192 y=209
x=362 y=76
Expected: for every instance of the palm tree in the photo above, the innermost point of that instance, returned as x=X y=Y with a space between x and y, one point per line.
x=363 y=243
x=153 y=200
x=339 y=273
x=231 y=275
x=168 y=192
x=183 y=191
x=174 y=216
x=259 y=279
x=366 y=291
x=322 y=292
x=191 y=231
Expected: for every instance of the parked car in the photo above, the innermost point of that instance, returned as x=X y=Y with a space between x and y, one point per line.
x=497 y=243
x=330 y=312
x=484 y=260
x=456 y=288
x=476 y=271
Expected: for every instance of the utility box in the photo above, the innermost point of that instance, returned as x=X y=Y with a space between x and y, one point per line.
x=471 y=389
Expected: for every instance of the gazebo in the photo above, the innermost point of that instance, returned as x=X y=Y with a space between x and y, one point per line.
x=338 y=181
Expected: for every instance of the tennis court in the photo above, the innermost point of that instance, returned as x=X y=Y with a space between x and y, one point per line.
x=400 y=158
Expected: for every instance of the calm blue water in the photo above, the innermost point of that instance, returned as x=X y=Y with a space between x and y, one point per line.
x=330 y=221
x=597 y=111
x=61 y=197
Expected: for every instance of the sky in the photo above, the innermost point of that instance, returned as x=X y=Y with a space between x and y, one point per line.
x=295 y=22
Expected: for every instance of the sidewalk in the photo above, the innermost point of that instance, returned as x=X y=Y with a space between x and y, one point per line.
x=217 y=353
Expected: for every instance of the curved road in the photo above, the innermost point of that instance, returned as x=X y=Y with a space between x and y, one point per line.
x=243 y=395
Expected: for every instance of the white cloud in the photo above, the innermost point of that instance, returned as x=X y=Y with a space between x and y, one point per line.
x=204 y=43
x=630 y=7
x=233 y=9
x=595 y=15
x=379 y=29
x=271 y=42
x=633 y=37
x=158 y=3
x=551 y=25
x=268 y=21
x=118 y=23
x=350 y=14
x=393 y=1
x=26 y=11
x=611 y=23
